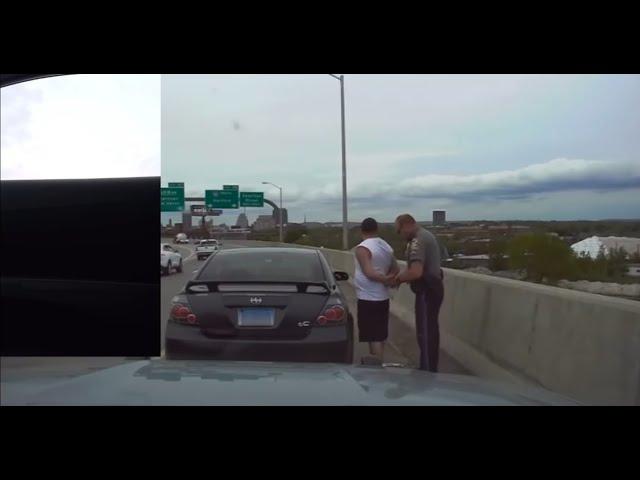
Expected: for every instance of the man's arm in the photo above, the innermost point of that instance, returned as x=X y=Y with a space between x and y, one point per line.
x=363 y=255
x=412 y=273
x=395 y=269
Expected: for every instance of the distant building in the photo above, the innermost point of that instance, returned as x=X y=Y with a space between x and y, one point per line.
x=242 y=221
x=186 y=221
x=633 y=270
x=439 y=217
x=470 y=261
x=264 y=222
x=276 y=216
x=593 y=245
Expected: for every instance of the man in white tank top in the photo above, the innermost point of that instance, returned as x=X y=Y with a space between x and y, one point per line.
x=375 y=267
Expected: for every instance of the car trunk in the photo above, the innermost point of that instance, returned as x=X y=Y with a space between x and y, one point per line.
x=267 y=312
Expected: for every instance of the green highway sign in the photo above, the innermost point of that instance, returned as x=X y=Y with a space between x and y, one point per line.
x=172 y=199
x=231 y=187
x=176 y=184
x=221 y=198
x=251 y=199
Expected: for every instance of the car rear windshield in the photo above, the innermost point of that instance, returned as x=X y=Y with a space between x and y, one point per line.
x=264 y=266
x=209 y=243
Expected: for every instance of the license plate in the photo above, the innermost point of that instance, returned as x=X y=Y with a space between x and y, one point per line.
x=256 y=317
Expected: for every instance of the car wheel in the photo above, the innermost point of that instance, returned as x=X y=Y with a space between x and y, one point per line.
x=179 y=269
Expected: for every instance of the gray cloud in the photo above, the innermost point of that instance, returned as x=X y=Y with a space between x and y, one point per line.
x=559 y=175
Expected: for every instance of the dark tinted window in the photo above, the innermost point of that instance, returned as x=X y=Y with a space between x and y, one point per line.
x=240 y=266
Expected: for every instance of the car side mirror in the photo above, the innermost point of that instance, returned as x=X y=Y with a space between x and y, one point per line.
x=341 y=276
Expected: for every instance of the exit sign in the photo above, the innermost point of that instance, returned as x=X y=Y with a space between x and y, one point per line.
x=221 y=199
x=172 y=199
x=251 y=199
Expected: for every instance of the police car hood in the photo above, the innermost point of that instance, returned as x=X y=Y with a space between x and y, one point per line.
x=162 y=382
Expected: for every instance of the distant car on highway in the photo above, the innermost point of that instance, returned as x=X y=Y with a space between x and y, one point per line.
x=204 y=248
x=270 y=303
x=181 y=238
x=170 y=259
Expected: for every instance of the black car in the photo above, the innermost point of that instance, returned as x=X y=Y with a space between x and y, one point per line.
x=264 y=304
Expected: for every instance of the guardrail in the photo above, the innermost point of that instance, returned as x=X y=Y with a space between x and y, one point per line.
x=582 y=345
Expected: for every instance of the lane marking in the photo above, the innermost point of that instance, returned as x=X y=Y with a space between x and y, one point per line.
x=192 y=252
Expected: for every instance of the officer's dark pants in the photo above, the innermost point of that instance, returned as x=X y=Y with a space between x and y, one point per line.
x=427 y=307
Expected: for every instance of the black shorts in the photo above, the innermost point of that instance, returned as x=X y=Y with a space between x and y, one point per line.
x=373 y=320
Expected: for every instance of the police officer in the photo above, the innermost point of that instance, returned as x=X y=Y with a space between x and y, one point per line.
x=425 y=277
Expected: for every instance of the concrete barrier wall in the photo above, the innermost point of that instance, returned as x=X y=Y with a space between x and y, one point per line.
x=582 y=345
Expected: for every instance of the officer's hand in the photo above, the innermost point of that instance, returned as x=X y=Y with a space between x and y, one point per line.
x=388 y=280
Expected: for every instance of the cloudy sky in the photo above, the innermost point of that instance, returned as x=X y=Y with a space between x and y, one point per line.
x=81 y=126
x=479 y=146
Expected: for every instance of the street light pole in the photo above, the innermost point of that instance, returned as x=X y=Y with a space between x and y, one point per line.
x=345 y=227
x=280 y=209
x=280 y=212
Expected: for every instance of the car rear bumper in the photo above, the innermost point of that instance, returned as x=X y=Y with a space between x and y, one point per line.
x=327 y=344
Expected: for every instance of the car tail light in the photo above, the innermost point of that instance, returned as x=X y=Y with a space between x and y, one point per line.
x=333 y=314
x=181 y=313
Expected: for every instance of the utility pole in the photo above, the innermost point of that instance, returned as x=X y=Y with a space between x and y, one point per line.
x=345 y=226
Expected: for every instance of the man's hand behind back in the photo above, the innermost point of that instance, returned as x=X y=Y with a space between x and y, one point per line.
x=392 y=281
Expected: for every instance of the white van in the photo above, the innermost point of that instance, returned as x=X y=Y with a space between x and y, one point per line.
x=181 y=238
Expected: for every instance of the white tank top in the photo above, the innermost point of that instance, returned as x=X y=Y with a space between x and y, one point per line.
x=381 y=258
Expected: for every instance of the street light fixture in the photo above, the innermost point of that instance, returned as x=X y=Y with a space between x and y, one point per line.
x=280 y=209
x=345 y=229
